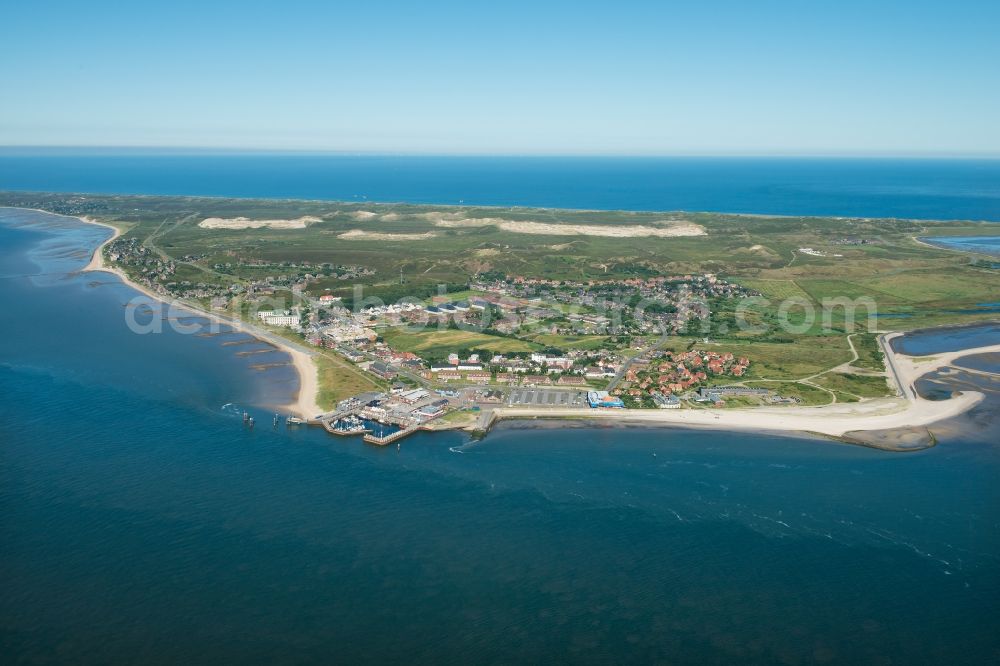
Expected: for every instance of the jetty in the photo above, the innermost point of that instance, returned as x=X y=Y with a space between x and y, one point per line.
x=371 y=438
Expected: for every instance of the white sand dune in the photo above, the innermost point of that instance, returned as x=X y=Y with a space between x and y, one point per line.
x=247 y=223
x=666 y=228
x=361 y=234
x=661 y=228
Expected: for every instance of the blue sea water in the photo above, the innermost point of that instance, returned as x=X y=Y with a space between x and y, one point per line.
x=980 y=244
x=142 y=522
x=915 y=188
x=941 y=340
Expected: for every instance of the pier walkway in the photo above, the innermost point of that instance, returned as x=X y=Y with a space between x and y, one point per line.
x=369 y=438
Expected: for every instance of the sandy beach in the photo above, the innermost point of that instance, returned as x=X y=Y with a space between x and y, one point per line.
x=835 y=420
x=907 y=411
x=97 y=259
x=305 y=404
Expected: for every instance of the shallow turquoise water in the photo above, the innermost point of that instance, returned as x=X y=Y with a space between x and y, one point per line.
x=141 y=522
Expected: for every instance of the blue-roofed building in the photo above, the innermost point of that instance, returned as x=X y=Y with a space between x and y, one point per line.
x=603 y=399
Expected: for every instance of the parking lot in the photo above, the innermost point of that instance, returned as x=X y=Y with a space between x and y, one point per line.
x=547 y=398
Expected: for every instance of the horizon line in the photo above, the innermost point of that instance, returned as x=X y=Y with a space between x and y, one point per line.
x=7 y=149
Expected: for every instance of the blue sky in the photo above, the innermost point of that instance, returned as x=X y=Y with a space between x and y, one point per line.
x=662 y=78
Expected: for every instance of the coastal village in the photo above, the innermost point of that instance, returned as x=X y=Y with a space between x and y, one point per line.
x=457 y=355
x=386 y=344
x=460 y=386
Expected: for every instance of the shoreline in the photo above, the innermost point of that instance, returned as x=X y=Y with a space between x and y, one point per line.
x=305 y=403
x=836 y=421
x=830 y=420
x=928 y=241
x=842 y=422
x=512 y=207
x=880 y=414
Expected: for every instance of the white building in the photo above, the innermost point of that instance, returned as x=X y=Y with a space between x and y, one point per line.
x=272 y=318
x=552 y=361
x=413 y=396
x=666 y=401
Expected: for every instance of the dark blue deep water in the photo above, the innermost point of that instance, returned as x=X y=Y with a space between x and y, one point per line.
x=916 y=188
x=140 y=522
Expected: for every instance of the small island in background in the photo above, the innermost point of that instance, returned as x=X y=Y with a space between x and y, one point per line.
x=402 y=317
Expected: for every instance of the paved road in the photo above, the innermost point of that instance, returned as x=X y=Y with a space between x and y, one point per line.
x=890 y=364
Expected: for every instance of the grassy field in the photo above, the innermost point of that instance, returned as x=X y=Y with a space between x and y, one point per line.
x=434 y=342
x=861 y=386
x=829 y=288
x=869 y=355
x=931 y=286
x=761 y=250
x=807 y=395
x=564 y=342
x=338 y=379
x=934 y=286
x=776 y=289
x=791 y=360
x=460 y=417
x=462 y=295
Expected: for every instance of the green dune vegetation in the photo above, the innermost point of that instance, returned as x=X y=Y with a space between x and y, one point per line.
x=216 y=252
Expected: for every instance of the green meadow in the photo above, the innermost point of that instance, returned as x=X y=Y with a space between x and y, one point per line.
x=413 y=249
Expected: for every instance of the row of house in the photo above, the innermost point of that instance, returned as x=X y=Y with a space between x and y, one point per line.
x=539 y=380
x=450 y=375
